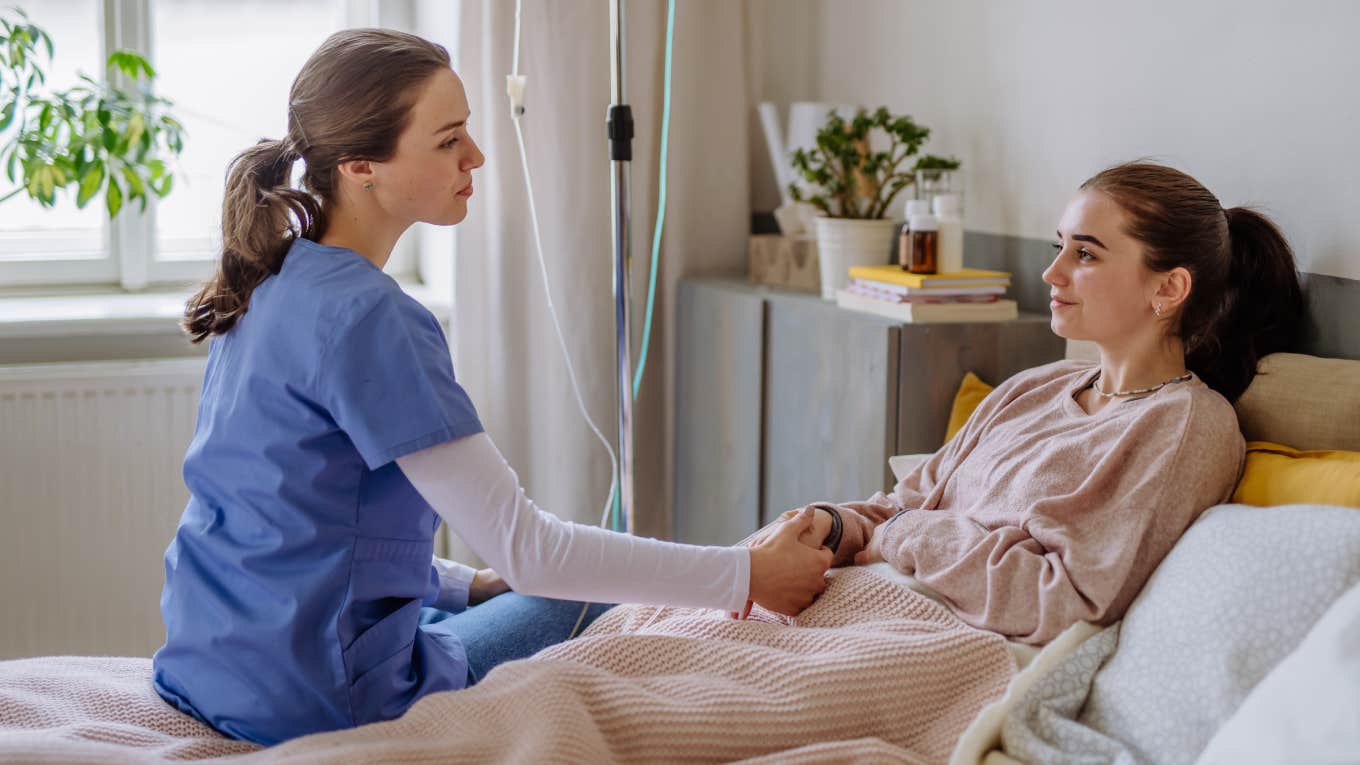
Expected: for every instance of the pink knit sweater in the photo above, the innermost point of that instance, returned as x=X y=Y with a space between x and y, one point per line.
x=1037 y=515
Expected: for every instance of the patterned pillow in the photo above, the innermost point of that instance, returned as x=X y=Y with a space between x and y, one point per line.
x=1308 y=708
x=1236 y=595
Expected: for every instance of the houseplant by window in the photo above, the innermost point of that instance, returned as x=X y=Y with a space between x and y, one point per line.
x=859 y=167
x=99 y=137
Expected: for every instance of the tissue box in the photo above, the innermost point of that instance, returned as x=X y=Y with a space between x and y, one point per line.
x=788 y=262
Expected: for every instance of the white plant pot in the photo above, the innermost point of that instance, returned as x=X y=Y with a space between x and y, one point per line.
x=846 y=242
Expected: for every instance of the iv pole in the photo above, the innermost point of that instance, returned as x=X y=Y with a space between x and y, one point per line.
x=620 y=129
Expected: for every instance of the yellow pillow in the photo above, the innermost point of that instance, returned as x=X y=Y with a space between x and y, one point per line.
x=971 y=392
x=1279 y=475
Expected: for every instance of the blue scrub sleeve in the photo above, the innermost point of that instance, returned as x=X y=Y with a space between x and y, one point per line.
x=387 y=380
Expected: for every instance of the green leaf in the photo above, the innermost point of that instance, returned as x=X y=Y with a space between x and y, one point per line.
x=90 y=184
x=131 y=64
x=47 y=181
x=7 y=115
x=135 y=128
x=9 y=164
x=46 y=40
x=119 y=60
x=113 y=199
x=134 y=183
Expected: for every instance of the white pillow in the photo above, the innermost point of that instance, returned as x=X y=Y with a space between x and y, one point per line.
x=1308 y=708
x=1236 y=595
x=905 y=463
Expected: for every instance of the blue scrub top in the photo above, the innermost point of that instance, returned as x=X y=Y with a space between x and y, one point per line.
x=294 y=583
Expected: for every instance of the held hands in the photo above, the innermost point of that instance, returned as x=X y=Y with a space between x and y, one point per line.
x=486 y=584
x=788 y=563
x=821 y=526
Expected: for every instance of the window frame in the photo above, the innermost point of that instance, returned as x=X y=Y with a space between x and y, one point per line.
x=130 y=243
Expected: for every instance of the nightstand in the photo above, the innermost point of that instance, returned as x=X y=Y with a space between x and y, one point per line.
x=782 y=398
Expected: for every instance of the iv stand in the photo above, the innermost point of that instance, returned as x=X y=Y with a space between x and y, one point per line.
x=620 y=128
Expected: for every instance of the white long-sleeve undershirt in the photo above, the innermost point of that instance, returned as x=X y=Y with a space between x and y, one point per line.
x=470 y=485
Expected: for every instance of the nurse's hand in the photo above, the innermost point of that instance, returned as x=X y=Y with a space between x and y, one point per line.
x=787 y=575
x=486 y=584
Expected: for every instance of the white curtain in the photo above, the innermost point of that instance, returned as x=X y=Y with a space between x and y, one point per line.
x=505 y=351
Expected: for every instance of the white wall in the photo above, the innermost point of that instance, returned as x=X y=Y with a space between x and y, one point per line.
x=1259 y=100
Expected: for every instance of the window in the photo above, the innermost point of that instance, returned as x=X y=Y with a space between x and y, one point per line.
x=38 y=245
x=227 y=65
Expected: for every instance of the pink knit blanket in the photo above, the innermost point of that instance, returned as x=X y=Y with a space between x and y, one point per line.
x=872 y=671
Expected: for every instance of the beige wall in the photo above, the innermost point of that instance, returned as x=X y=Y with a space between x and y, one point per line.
x=1259 y=100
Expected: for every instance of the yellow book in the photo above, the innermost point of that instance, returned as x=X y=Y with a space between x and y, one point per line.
x=968 y=277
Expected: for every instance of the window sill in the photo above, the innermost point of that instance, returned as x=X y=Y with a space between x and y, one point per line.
x=124 y=314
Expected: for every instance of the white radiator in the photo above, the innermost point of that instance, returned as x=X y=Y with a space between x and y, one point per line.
x=90 y=493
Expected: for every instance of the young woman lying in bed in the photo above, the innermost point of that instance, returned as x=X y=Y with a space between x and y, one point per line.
x=1071 y=482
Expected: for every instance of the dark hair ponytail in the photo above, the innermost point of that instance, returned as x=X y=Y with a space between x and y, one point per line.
x=1261 y=310
x=261 y=216
x=351 y=101
x=1245 y=300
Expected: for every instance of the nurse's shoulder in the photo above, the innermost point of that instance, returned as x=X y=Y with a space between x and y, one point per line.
x=336 y=287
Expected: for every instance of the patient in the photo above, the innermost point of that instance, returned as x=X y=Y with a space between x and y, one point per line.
x=1072 y=481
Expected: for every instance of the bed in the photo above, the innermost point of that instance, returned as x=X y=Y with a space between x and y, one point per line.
x=1221 y=656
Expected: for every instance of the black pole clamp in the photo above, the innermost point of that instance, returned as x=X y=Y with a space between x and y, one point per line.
x=620 y=123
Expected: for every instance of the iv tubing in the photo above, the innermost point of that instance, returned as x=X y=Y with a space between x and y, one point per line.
x=515 y=86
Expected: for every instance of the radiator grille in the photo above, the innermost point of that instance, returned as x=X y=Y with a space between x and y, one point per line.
x=90 y=492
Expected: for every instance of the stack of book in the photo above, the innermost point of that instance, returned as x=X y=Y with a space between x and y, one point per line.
x=968 y=295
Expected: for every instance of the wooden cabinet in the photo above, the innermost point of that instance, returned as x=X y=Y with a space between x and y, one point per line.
x=782 y=398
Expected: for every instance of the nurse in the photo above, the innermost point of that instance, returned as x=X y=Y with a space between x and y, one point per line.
x=301 y=590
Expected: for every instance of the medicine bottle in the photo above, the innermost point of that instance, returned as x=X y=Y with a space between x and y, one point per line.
x=913 y=207
x=923 y=254
x=949 y=215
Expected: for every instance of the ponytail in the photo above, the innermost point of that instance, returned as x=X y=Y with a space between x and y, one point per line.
x=1261 y=310
x=261 y=216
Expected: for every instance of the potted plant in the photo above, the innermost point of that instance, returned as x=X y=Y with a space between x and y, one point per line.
x=95 y=136
x=856 y=185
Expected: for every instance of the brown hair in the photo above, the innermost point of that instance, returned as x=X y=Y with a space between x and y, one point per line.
x=1245 y=299
x=351 y=101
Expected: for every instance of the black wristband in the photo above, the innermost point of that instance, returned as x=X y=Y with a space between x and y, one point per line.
x=833 y=538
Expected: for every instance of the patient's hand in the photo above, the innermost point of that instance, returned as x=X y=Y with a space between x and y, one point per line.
x=873 y=553
x=821 y=526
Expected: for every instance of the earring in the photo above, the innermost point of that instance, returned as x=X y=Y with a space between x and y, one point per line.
x=368 y=186
x=1157 y=309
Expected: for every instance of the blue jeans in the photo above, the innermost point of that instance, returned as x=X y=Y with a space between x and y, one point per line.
x=511 y=626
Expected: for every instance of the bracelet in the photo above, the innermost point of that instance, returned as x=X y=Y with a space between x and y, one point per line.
x=833 y=538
